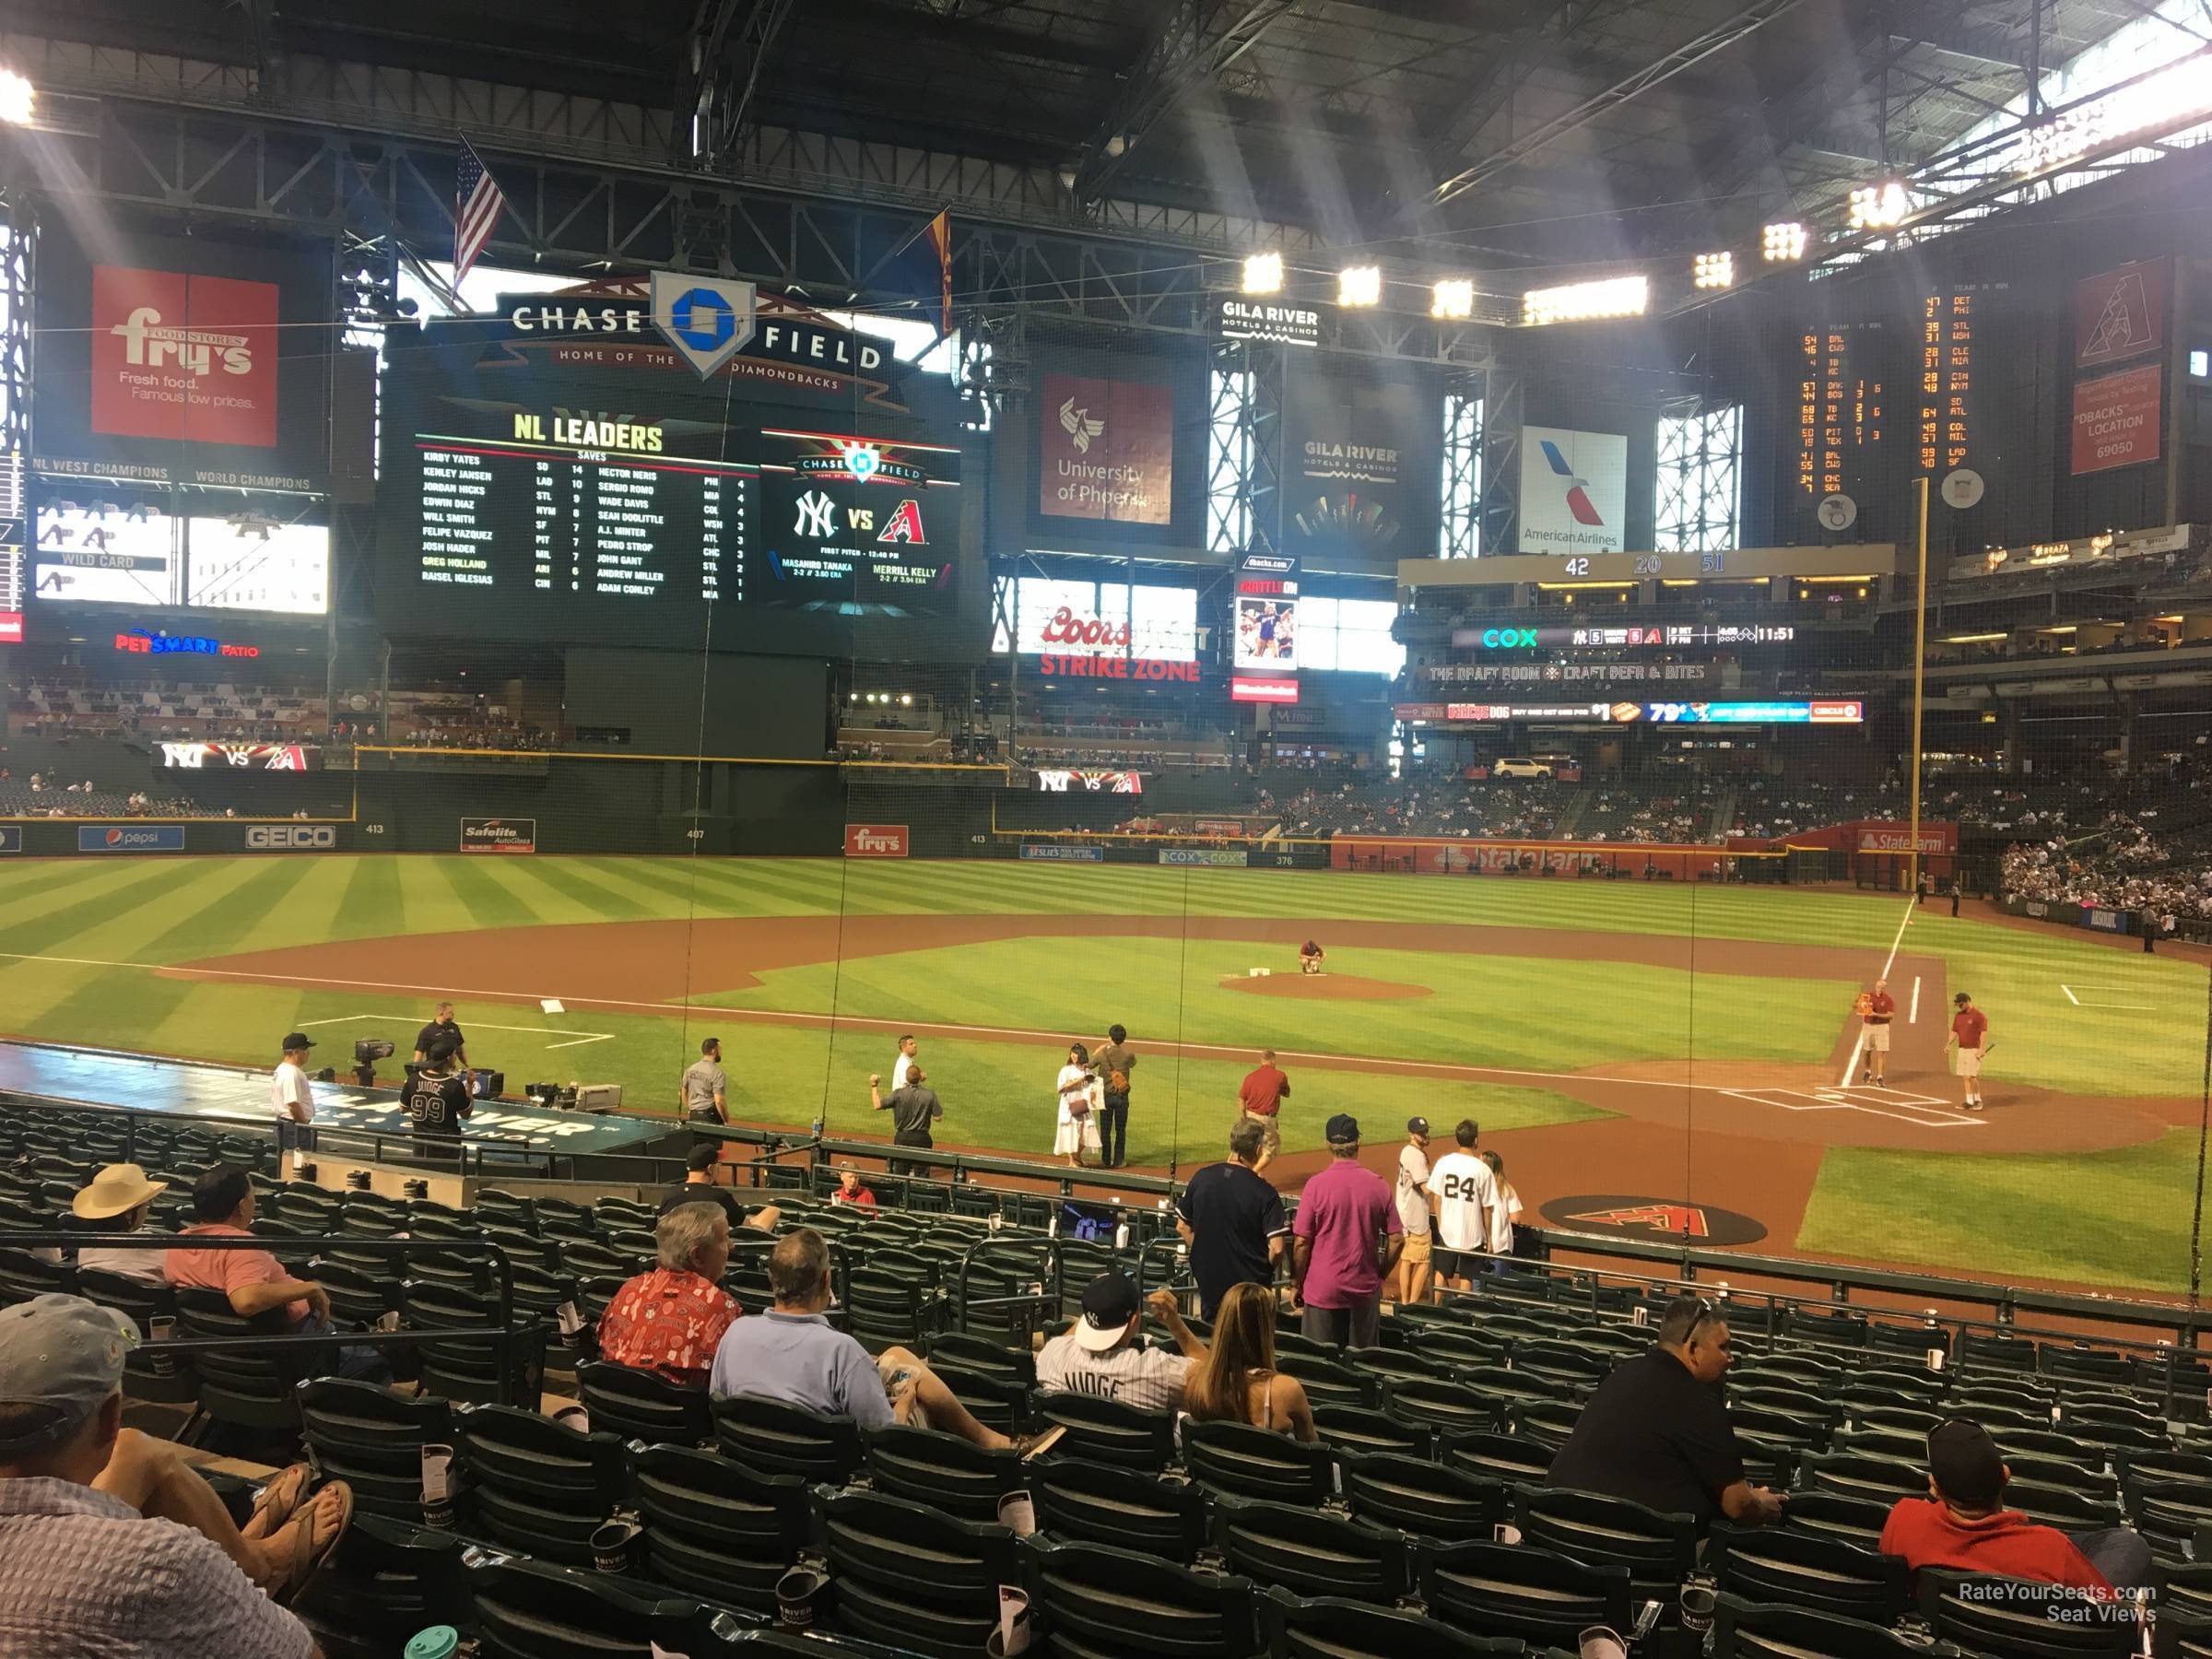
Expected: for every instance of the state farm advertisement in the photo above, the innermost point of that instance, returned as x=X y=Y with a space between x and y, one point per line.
x=182 y=361
x=2119 y=418
x=875 y=841
x=1106 y=450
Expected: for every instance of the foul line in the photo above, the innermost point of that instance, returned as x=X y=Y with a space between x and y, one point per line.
x=1859 y=1043
x=580 y=1038
x=774 y=1017
x=2138 y=1007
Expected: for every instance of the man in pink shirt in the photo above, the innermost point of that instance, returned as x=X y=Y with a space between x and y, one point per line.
x=222 y=1206
x=1335 y=1255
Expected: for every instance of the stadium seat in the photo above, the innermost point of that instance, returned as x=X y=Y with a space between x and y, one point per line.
x=1431 y=1499
x=643 y=1405
x=1243 y=1461
x=372 y=1439
x=534 y=1484
x=1853 y=1517
x=1546 y=1422
x=1109 y=1431
x=1354 y=1429
x=2004 y=1618
x=1331 y=1381
x=716 y=1529
x=481 y=1373
x=990 y=1399
x=885 y=1309
x=1978 y=1351
x=1746 y=1630
x=1400 y=1365
x=1447 y=1407
x=250 y=1391
x=1658 y=1549
x=1515 y=1459
x=1515 y=1590
x=1332 y=1628
x=983 y=1357
x=1098 y=1503
x=2077 y=1363
x=1862 y=1475
x=1310 y=1553
x=526 y=1609
x=776 y=1439
x=360 y=1295
x=23 y=1275
x=387 y=1579
x=1095 y=1600
x=2180 y=1635
x=149 y=1375
x=941 y=1470
x=1794 y=1567
x=911 y=1576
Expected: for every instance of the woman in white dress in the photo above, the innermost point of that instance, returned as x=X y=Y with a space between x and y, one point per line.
x=1079 y=1097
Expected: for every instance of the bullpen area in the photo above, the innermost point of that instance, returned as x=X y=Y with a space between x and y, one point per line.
x=1649 y=1058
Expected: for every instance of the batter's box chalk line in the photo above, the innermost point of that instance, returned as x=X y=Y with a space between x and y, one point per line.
x=575 y=1038
x=2083 y=1002
x=1922 y=1111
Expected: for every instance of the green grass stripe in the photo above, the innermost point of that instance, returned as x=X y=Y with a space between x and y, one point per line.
x=490 y=900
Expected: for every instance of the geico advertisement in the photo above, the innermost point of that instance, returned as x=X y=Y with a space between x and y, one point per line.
x=291 y=838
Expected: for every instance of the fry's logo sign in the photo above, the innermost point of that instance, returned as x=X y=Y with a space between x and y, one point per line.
x=183 y=357
x=875 y=841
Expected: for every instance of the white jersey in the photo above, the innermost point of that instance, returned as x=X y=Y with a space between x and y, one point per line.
x=1413 y=1177
x=1466 y=1191
x=288 y=1088
x=900 y=1067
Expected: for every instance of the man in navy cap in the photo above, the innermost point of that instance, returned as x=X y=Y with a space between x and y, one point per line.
x=85 y=1560
x=292 y=1099
x=1344 y=1240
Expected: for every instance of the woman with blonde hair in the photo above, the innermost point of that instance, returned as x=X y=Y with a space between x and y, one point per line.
x=1237 y=1381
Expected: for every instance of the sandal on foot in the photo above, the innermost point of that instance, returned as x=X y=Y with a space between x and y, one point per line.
x=277 y=1501
x=313 y=1545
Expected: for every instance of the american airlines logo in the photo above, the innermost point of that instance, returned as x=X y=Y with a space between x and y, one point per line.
x=148 y=342
x=1578 y=496
x=1079 y=426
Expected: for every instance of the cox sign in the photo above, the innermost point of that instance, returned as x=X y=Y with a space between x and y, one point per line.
x=1496 y=638
x=875 y=841
x=296 y=838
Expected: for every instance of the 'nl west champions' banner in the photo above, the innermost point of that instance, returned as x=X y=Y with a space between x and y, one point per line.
x=1106 y=450
x=1574 y=490
x=182 y=361
x=1359 y=461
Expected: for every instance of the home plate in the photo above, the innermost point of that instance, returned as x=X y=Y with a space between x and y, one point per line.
x=1929 y=1111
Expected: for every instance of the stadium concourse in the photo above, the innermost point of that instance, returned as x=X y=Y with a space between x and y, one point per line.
x=919 y=827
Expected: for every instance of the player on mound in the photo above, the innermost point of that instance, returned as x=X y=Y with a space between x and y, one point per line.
x=1309 y=958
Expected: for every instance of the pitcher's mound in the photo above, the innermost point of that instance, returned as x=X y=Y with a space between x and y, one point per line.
x=1326 y=987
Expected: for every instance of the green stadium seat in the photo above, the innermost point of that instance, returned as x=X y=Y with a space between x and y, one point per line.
x=1119 y=1605
x=942 y=1470
x=1332 y=1628
x=772 y=1438
x=1746 y=1630
x=372 y=1439
x=1430 y=1500
x=1099 y=1503
x=533 y=1485
x=526 y=1609
x=1517 y=1590
x=717 y=1529
x=1793 y=1566
x=1109 y=1431
x=643 y=1405
x=911 y=1576
x=1240 y=1460
x=1310 y=1553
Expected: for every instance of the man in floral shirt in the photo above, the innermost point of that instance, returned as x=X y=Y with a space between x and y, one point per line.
x=669 y=1320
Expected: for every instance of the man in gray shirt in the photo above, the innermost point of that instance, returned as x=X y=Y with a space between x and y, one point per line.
x=913 y=1109
x=791 y=1354
x=706 y=1086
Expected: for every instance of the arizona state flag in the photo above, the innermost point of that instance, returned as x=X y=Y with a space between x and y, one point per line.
x=940 y=238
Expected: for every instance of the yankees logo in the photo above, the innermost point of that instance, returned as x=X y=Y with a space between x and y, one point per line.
x=817 y=518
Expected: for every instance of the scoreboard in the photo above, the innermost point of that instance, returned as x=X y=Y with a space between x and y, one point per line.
x=551 y=472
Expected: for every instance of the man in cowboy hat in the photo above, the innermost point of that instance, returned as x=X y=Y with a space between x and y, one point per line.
x=118 y=1199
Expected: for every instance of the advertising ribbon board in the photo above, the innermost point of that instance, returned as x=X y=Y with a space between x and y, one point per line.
x=499 y=835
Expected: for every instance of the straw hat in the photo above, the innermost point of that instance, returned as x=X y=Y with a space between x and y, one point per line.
x=115 y=1190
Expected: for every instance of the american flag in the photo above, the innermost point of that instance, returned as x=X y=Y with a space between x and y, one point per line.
x=477 y=207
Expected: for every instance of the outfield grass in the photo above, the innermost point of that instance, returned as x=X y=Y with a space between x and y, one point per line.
x=64 y=920
x=2120 y=1217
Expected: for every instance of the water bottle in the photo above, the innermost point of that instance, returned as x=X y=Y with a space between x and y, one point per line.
x=815 y=1128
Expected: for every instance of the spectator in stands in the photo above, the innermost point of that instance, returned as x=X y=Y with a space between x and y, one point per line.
x=442 y=1024
x=1335 y=1260
x=709 y=1183
x=1237 y=1381
x=1233 y=1221
x=1411 y=1196
x=117 y=1200
x=437 y=1100
x=1505 y=1204
x=791 y=1354
x=1104 y=1355
x=109 y=1542
x=704 y=1094
x=292 y=1099
x=914 y=1108
x=1657 y=1433
x=849 y=1188
x=1962 y=1524
x=671 y=1321
x=1078 y=1097
x=1260 y=1098
x=908 y=1049
x=1466 y=1194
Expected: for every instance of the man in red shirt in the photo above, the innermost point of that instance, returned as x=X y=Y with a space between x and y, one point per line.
x=1261 y=1096
x=849 y=1188
x=1961 y=1524
x=1881 y=1007
x=670 y=1321
x=1970 y=1031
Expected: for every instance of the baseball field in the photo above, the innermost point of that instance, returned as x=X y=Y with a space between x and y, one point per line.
x=1630 y=1049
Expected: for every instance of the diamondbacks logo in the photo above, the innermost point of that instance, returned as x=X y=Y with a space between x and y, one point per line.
x=1634 y=1214
x=1679 y=1219
x=2124 y=324
x=1578 y=496
x=1079 y=427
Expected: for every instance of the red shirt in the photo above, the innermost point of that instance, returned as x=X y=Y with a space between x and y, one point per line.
x=1969 y=1027
x=226 y=1270
x=1262 y=1090
x=667 y=1323
x=859 y=1195
x=1879 y=1006
x=1927 y=1535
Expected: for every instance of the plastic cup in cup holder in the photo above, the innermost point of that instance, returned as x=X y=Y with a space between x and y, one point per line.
x=437 y=1486
x=1012 y=1636
x=614 y=1546
x=798 y=1597
x=163 y=1327
x=1601 y=1641
x=1698 y=1601
x=1017 y=1513
x=1505 y=1532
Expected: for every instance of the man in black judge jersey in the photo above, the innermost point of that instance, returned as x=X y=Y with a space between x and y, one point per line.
x=436 y=1098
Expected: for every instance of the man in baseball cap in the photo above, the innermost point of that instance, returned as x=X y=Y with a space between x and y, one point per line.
x=1102 y=1355
x=1334 y=1260
x=1963 y=1524
x=79 y=1493
x=1410 y=1195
